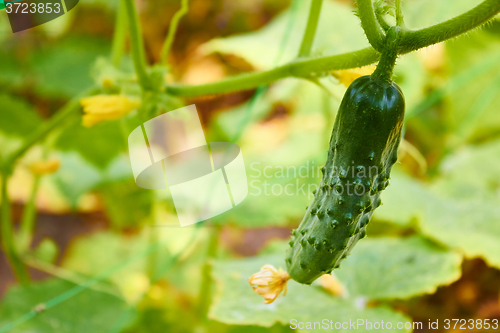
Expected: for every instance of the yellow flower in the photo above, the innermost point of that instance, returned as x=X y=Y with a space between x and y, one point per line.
x=45 y=167
x=348 y=75
x=269 y=283
x=106 y=107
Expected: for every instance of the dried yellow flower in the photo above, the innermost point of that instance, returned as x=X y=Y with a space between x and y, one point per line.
x=106 y=107
x=331 y=284
x=269 y=283
x=348 y=75
x=45 y=167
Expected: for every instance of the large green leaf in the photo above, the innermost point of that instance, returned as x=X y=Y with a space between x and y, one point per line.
x=475 y=84
x=99 y=144
x=435 y=11
x=472 y=227
x=88 y=311
x=17 y=120
x=403 y=200
x=63 y=69
x=464 y=212
x=385 y=268
x=460 y=209
x=471 y=173
x=11 y=67
x=338 y=31
x=236 y=303
x=17 y=117
x=379 y=268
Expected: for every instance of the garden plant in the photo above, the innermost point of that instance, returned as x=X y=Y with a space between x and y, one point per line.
x=329 y=101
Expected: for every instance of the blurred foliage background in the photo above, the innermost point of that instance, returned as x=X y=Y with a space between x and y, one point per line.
x=108 y=256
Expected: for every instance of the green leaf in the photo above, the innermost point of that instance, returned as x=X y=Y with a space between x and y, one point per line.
x=464 y=211
x=11 y=68
x=75 y=177
x=435 y=11
x=62 y=69
x=127 y=205
x=338 y=31
x=85 y=256
x=98 y=144
x=472 y=227
x=385 y=268
x=17 y=118
x=88 y=311
x=474 y=85
x=403 y=200
x=460 y=209
x=46 y=250
x=236 y=303
x=471 y=173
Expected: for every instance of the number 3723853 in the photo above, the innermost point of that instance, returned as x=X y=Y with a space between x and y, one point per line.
x=470 y=324
x=25 y=8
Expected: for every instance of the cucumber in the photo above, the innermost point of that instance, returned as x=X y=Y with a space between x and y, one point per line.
x=363 y=148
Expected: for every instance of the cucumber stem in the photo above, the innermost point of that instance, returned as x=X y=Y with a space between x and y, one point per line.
x=384 y=69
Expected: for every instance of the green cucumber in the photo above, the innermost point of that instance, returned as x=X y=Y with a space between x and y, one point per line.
x=363 y=148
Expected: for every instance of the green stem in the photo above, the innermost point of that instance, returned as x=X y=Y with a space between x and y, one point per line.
x=25 y=236
x=206 y=283
x=300 y=68
x=67 y=275
x=399 y=14
x=372 y=28
x=8 y=244
x=323 y=65
x=172 y=30
x=68 y=110
x=383 y=24
x=384 y=69
x=409 y=41
x=179 y=256
x=312 y=24
x=119 y=36
x=137 y=44
x=153 y=238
